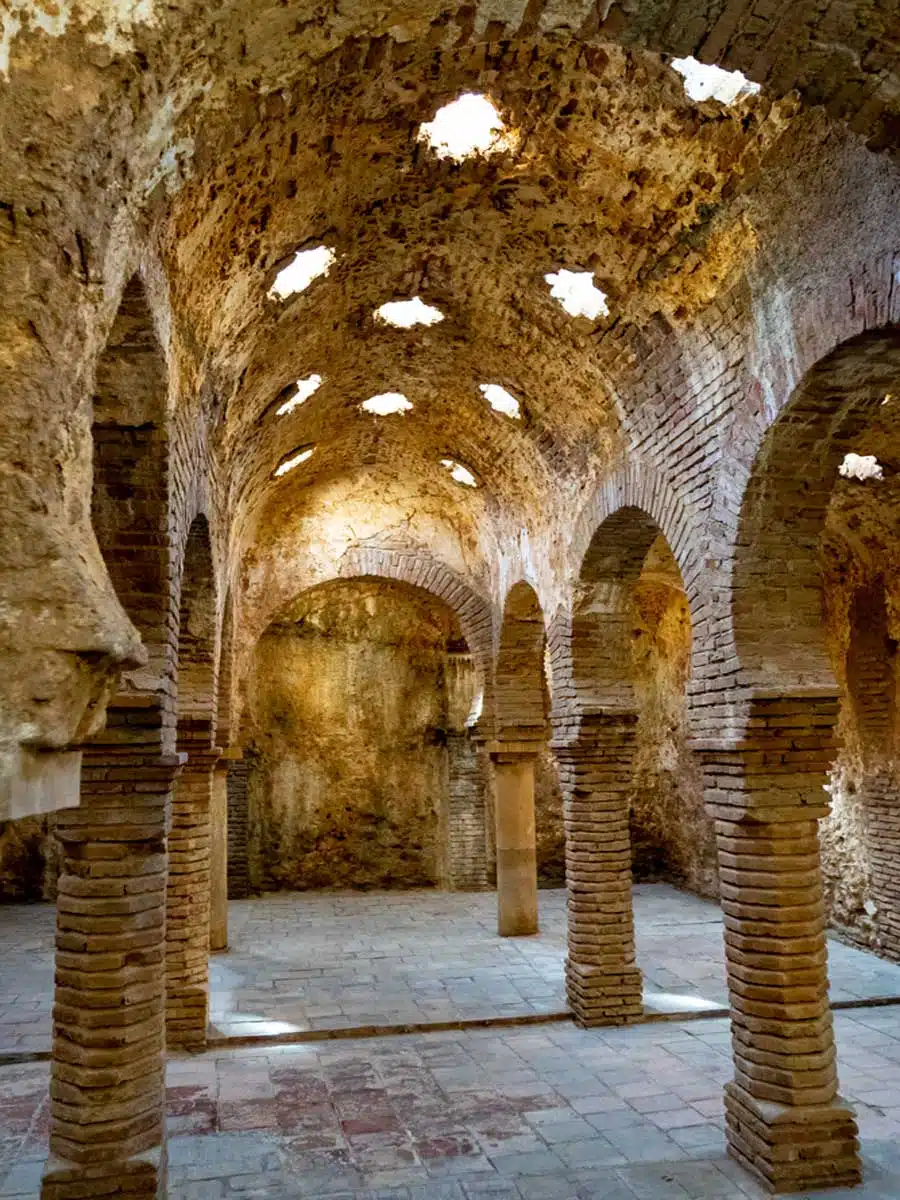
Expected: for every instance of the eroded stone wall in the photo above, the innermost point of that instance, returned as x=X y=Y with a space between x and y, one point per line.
x=349 y=779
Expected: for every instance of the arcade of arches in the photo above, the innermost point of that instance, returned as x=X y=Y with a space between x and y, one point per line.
x=575 y=566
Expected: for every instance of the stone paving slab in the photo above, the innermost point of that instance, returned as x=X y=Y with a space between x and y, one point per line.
x=319 y=961
x=549 y=1113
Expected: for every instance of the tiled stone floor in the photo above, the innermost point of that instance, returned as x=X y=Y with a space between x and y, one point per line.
x=310 y=961
x=537 y=1113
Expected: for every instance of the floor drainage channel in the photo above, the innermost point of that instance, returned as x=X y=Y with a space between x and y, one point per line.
x=234 y=1041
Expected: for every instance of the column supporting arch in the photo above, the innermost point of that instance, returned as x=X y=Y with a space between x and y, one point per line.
x=785 y=1121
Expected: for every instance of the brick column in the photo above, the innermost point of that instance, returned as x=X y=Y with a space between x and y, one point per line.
x=880 y=800
x=107 y=1130
x=517 y=909
x=465 y=859
x=187 y=902
x=785 y=1121
x=218 y=865
x=238 y=818
x=603 y=982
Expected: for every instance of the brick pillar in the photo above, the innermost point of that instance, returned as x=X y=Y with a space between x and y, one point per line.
x=880 y=799
x=603 y=982
x=238 y=818
x=517 y=909
x=107 y=1130
x=187 y=902
x=465 y=860
x=218 y=865
x=785 y=1121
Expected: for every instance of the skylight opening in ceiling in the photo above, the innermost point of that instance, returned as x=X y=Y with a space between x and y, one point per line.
x=305 y=267
x=406 y=313
x=386 y=403
x=459 y=472
x=293 y=460
x=706 y=81
x=577 y=293
x=305 y=388
x=468 y=126
x=501 y=400
x=861 y=467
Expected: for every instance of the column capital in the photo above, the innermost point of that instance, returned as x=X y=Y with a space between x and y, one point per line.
x=509 y=752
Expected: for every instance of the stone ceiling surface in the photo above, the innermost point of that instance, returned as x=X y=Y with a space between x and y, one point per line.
x=231 y=134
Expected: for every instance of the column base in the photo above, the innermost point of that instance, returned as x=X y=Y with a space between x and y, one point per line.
x=610 y=995
x=792 y=1149
x=139 y=1177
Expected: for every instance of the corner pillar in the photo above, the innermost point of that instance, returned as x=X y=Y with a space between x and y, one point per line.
x=188 y=901
x=517 y=907
x=603 y=982
x=785 y=1121
x=107 y=1107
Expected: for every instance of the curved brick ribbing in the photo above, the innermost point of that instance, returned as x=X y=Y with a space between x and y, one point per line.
x=107 y=1133
x=603 y=983
x=785 y=1121
x=187 y=903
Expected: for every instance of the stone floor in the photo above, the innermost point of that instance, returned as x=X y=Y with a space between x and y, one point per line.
x=539 y=1112
x=544 y=1112
x=313 y=961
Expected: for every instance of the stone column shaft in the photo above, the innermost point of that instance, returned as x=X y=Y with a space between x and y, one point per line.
x=187 y=903
x=784 y=1119
x=107 y=1134
x=602 y=979
x=517 y=908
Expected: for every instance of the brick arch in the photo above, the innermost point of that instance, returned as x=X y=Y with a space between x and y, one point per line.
x=129 y=505
x=188 y=885
x=776 y=594
x=609 y=544
x=520 y=687
x=472 y=610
